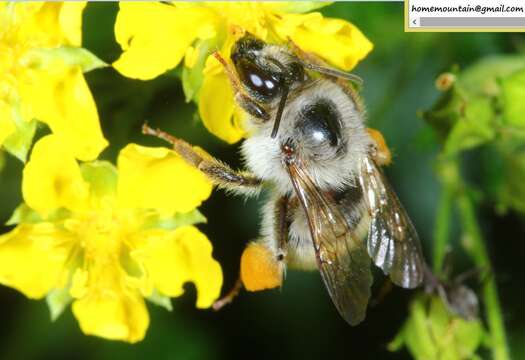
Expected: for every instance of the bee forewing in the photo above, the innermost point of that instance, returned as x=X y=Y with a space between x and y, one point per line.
x=393 y=243
x=342 y=258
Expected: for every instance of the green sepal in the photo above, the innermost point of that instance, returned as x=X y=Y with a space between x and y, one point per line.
x=192 y=78
x=57 y=301
x=446 y=112
x=473 y=129
x=19 y=142
x=513 y=99
x=102 y=177
x=156 y=221
x=483 y=77
x=432 y=332
x=72 y=56
x=23 y=214
x=504 y=179
x=160 y=300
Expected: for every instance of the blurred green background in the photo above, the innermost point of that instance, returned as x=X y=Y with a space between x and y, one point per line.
x=299 y=321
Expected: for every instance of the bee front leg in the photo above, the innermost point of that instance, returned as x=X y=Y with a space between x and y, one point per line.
x=218 y=172
x=251 y=107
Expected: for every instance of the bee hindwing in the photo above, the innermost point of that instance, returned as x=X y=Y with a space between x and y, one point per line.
x=393 y=243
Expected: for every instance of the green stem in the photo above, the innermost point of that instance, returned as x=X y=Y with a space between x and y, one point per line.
x=475 y=245
x=442 y=228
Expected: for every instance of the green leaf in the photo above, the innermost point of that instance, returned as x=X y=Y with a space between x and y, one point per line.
x=102 y=177
x=155 y=221
x=513 y=98
x=473 y=129
x=74 y=56
x=160 y=300
x=57 y=301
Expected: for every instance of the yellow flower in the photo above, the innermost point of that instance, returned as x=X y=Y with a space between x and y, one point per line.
x=155 y=38
x=41 y=66
x=105 y=238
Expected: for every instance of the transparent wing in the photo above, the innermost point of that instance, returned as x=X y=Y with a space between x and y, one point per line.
x=342 y=258
x=393 y=243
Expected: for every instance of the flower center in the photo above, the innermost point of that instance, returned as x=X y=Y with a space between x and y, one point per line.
x=102 y=235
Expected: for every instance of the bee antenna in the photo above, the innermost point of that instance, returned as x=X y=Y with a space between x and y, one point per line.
x=333 y=73
x=280 y=111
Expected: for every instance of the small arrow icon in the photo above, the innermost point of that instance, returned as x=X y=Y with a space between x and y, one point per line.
x=414 y=22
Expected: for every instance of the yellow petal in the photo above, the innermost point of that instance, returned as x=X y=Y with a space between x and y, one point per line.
x=155 y=36
x=13 y=16
x=7 y=127
x=216 y=108
x=294 y=6
x=40 y=25
x=70 y=19
x=61 y=98
x=157 y=178
x=191 y=57
x=56 y=24
x=52 y=178
x=79 y=283
x=337 y=41
x=172 y=258
x=32 y=259
x=110 y=309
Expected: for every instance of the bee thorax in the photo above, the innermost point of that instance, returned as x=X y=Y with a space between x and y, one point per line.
x=326 y=131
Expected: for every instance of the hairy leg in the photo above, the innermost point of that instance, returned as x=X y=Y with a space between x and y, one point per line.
x=218 y=172
x=282 y=226
x=262 y=268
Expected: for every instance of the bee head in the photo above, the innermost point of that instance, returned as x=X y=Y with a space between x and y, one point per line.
x=265 y=77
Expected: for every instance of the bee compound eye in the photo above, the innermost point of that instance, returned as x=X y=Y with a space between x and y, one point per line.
x=263 y=83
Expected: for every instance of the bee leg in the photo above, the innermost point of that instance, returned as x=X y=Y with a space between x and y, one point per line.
x=282 y=226
x=218 y=172
x=244 y=101
x=260 y=267
x=228 y=298
x=381 y=154
x=384 y=290
x=252 y=107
